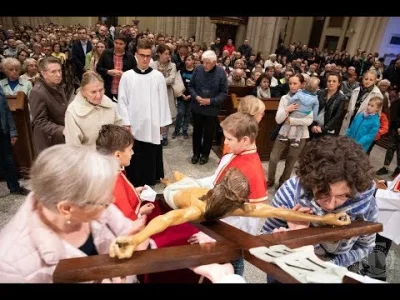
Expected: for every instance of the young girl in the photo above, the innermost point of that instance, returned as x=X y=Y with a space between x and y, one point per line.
x=366 y=124
x=359 y=99
x=183 y=116
x=116 y=140
x=262 y=89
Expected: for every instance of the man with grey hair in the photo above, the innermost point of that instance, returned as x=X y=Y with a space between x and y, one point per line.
x=48 y=104
x=208 y=89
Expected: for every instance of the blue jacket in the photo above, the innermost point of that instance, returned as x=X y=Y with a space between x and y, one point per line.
x=7 y=124
x=307 y=102
x=363 y=129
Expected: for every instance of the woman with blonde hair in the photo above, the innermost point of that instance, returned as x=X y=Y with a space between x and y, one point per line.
x=13 y=83
x=89 y=111
x=249 y=105
x=359 y=99
x=95 y=57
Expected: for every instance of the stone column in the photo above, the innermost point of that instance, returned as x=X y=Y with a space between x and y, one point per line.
x=369 y=44
x=267 y=36
x=240 y=35
x=169 y=28
x=249 y=31
x=277 y=31
x=379 y=35
x=213 y=33
x=258 y=33
x=199 y=29
x=354 y=41
x=343 y=32
x=366 y=35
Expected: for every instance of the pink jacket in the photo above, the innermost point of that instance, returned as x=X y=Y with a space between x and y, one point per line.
x=29 y=251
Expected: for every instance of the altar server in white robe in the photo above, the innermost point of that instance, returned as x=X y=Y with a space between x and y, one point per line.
x=143 y=106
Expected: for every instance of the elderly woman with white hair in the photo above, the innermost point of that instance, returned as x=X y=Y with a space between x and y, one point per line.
x=13 y=83
x=30 y=68
x=69 y=213
x=208 y=89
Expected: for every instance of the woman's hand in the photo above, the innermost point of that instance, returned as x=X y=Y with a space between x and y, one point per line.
x=200 y=238
x=140 y=189
x=146 y=209
x=316 y=129
x=291 y=107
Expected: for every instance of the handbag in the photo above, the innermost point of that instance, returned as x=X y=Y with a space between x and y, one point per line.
x=275 y=132
x=177 y=86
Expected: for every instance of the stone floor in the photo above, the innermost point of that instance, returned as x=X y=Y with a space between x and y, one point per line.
x=177 y=157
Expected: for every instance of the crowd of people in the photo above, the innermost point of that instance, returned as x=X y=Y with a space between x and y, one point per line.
x=128 y=98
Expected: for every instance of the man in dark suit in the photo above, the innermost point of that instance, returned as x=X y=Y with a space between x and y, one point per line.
x=79 y=51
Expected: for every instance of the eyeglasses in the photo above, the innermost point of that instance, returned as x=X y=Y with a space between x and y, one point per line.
x=143 y=56
x=328 y=198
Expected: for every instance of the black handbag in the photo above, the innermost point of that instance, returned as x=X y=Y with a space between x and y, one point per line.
x=275 y=132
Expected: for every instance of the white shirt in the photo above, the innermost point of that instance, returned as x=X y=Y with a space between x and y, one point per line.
x=143 y=104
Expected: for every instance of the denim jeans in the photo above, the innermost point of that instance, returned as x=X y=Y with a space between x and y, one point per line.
x=183 y=116
x=7 y=165
x=238 y=266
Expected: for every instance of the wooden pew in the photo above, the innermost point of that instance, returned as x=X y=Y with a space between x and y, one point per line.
x=23 y=150
x=266 y=126
x=231 y=243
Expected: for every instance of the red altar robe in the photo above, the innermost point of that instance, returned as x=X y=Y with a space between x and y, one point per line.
x=250 y=164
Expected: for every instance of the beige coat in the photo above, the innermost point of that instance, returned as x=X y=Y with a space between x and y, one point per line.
x=169 y=74
x=30 y=251
x=84 y=120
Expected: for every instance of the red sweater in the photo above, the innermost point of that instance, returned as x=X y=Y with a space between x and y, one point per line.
x=126 y=197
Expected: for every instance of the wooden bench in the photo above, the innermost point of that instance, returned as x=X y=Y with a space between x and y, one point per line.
x=23 y=150
x=231 y=244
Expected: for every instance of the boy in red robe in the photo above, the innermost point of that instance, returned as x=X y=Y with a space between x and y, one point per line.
x=116 y=140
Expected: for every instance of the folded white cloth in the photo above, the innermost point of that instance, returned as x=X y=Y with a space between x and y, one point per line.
x=389 y=212
x=301 y=263
x=148 y=194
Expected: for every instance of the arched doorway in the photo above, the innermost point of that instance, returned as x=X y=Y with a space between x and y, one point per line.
x=227 y=27
x=109 y=20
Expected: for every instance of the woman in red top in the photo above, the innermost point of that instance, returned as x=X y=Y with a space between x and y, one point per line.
x=116 y=140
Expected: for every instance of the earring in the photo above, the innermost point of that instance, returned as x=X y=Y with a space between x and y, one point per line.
x=68 y=222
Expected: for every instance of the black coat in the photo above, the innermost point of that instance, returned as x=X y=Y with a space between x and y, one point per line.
x=334 y=111
x=106 y=62
x=79 y=56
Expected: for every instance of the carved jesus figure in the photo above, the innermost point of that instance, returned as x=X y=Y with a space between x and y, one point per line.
x=228 y=198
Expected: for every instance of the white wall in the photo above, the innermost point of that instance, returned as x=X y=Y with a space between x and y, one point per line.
x=392 y=28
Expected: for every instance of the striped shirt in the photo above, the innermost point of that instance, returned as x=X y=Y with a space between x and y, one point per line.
x=343 y=252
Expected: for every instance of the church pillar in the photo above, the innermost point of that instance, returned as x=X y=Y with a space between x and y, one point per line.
x=240 y=35
x=366 y=36
x=213 y=33
x=354 y=41
x=169 y=28
x=379 y=35
x=369 y=45
x=249 y=31
x=277 y=30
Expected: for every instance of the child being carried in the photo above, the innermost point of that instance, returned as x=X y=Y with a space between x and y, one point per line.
x=308 y=101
